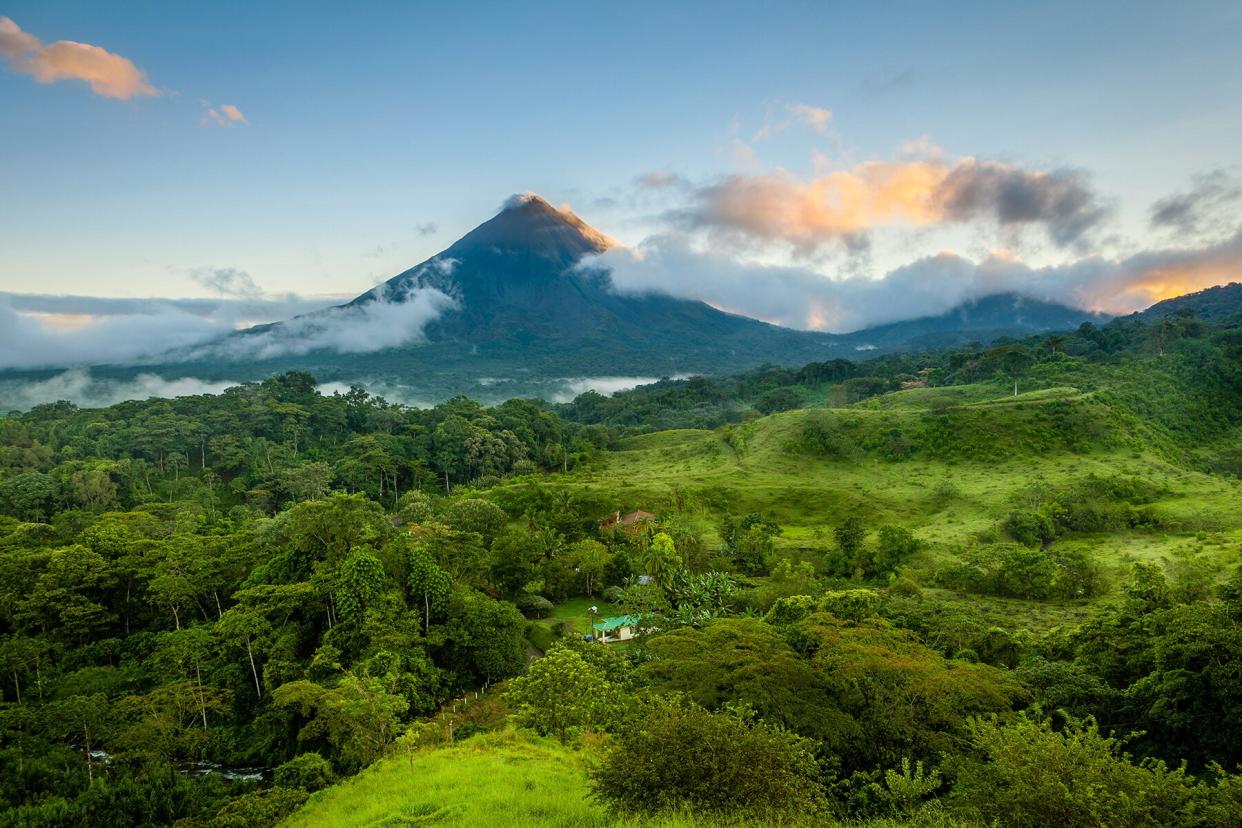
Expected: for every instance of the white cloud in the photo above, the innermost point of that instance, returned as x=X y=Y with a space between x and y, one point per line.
x=802 y=298
x=81 y=387
x=357 y=328
x=816 y=117
x=607 y=386
x=38 y=341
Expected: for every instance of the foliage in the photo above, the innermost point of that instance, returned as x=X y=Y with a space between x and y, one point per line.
x=308 y=771
x=563 y=694
x=1028 y=774
x=675 y=754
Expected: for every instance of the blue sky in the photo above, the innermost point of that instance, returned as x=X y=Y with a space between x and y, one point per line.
x=366 y=124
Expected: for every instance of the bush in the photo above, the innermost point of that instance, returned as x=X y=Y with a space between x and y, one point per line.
x=779 y=399
x=905 y=587
x=1029 y=528
x=1014 y=571
x=1028 y=774
x=534 y=606
x=259 y=809
x=308 y=771
x=676 y=755
x=477 y=515
x=851 y=604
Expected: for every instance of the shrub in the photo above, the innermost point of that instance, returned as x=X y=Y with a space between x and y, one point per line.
x=477 y=515
x=308 y=771
x=851 y=604
x=534 y=606
x=1027 y=774
x=259 y=809
x=1029 y=528
x=676 y=755
x=905 y=587
x=1014 y=571
x=779 y=399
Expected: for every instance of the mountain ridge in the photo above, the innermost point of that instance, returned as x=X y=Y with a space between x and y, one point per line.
x=509 y=310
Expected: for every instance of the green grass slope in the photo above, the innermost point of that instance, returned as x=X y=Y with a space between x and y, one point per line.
x=947 y=463
x=492 y=779
x=505 y=779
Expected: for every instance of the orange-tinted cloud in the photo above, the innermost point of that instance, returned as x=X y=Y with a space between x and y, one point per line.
x=107 y=74
x=225 y=115
x=816 y=117
x=845 y=204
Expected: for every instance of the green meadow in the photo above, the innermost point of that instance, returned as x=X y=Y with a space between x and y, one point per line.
x=505 y=778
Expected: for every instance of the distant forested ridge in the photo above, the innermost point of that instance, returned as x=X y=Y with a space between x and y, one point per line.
x=985 y=583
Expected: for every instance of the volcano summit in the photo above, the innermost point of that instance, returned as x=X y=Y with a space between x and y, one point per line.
x=518 y=307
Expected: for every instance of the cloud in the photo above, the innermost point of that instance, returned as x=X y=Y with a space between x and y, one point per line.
x=225 y=115
x=816 y=117
x=227 y=281
x=889 y=81
x=427 y=229
x=1061 y=200
x=79 y=386
x=362 y=327
x=661 y=180
x=107 y=74
x=1200 y=208
x=802 y=298
x=40 y=331
x=843 y=205
x=574 y=386
x=42 y=340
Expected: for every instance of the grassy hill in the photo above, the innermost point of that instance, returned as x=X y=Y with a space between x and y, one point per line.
x=505 y=778
x=947 y=463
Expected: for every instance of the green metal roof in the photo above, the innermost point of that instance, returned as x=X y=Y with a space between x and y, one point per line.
x=609 y=624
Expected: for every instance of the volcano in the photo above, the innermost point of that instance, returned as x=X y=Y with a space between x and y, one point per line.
x=517 y=307
x=519 y=278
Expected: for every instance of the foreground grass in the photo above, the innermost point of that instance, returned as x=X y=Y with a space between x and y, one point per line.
x=502 y=779
x=492 y=779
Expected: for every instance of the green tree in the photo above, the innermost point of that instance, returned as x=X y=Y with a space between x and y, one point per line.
x=1028 y=774
x=562 y=693
x=589 y=559
x=359 y=582
x=474 y=514
x=660 y=559
x=359 y=717
x=429 y=584
x=677 y=755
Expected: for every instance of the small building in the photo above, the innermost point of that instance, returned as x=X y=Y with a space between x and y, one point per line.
x=631 y=522
x=620 y=628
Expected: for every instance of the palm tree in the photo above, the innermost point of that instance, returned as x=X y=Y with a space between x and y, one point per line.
x=660 y=559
